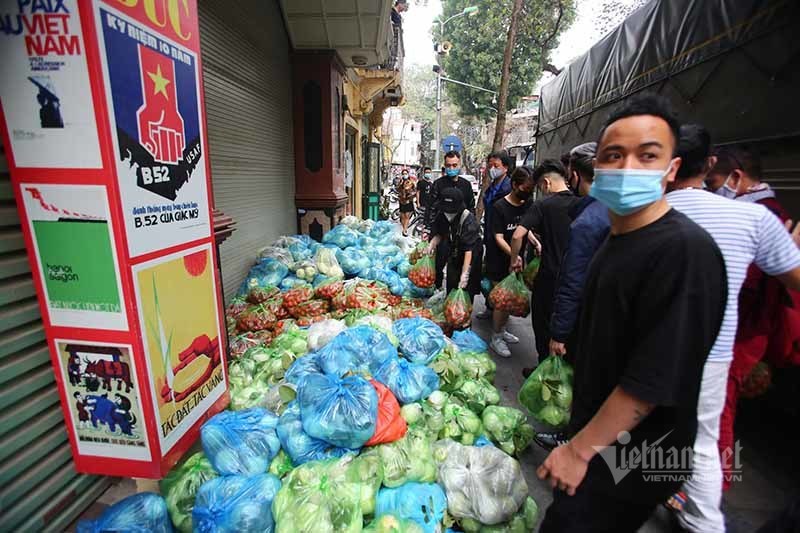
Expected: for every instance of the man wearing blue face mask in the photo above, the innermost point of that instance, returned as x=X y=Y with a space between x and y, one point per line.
x=450 y=179
x=653 y=303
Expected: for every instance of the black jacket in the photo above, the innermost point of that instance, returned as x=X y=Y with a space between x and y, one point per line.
x=439 y=186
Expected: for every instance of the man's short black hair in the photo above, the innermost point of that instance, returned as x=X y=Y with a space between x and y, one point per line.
x=503 y=156
x=580 y=159
x=738 y=156
x=646 y=103
x=564 y=158
x=451 y=154
x=426 y=168
x=694 y=149
x=548 y=166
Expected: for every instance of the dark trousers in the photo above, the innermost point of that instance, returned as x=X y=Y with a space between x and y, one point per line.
x=594 y=512
x=442 y=252
x=541 y=309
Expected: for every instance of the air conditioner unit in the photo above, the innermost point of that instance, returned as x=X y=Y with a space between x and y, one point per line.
x=393 y=92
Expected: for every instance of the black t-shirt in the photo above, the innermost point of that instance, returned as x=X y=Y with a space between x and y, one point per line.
x=549 y=218
x=652 y=307
x=424 y=188
x=505 y=219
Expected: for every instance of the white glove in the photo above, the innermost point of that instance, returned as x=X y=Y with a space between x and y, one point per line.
x=464 y=281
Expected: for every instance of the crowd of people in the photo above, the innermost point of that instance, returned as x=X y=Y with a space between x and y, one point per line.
x=667 y=272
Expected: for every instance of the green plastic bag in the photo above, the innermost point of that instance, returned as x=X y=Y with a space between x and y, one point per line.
x=281 y=465
x=522 y=522
x=547 y=393
x=449 y=368
x=478 y=365
x=460 y=423
x=293 y=339
x=477 y=394
x=391 y=524
x=507 y=428
x=530 y=272
x=180 y=486
x=367 y=471
x=511 y=295
x=408 y=459
x=318 y=497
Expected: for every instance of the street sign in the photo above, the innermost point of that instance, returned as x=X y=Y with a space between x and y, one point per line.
x=451 y=142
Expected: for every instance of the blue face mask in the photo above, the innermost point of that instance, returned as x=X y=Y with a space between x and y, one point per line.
x=627 y=190
x=451 y=172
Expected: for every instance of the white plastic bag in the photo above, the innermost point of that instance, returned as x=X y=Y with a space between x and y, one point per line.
x=321 y=333
x=350 y=221
x=305 y=270
x=483 y=484
x=280 y=254
x=327 y=263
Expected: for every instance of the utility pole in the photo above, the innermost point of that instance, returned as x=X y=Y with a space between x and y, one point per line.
x=471 y=10
x=497 y=144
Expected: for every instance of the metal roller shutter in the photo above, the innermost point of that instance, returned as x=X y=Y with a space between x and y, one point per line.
x=39 y=488
x=247 y=79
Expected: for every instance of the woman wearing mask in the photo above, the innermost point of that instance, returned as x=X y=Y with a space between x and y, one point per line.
x=406 y=193
x=457 y=227
x=505 y=217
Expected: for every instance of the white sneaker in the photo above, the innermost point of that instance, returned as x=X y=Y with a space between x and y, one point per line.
x=499 y=346
x=509 y=338
x=485 y=314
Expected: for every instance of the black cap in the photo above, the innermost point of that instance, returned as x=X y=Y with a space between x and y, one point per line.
x=452 y=201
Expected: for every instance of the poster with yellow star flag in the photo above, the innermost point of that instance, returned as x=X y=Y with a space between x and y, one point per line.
x=153 y=94
x=179 y=322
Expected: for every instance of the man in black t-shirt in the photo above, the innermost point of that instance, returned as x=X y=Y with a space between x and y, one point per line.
x=652 y=306
x=424 y=189
x=506 y=214
x=549 y=218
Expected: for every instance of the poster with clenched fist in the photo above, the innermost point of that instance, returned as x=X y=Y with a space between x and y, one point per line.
x=153 y=91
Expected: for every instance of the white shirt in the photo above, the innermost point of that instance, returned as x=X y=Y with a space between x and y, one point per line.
x=348 y=169
x=745 y=233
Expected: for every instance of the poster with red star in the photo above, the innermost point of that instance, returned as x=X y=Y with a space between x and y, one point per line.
x=153 y=91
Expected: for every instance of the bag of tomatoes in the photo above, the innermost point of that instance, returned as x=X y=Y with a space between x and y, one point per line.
x=530 y=272
x=294 y=297
x=329 y=289
x=511 y=295
x=423 y=273
x=458 y=308
x=310 y=309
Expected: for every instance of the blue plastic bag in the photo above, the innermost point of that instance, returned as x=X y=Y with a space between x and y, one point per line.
x=424 y=503
x=300 y=251
x=486 y=287
x=236 y=504
x=392 y=280
x=352 y=260
x=482 y=441
x=266 y=272
x=360 y=349
x=421 y=341
x=409 y=382
x=290 y=282
x=382 y=228
x=341 y=411
x=302 y=367
x=299 y=445
x=469 y=341
x=341 y=236
x=241 y=442
x=412 y=291
x=403 y=267
x=141 y=512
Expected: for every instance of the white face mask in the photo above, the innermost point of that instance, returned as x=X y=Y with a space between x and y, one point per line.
x=450 y=216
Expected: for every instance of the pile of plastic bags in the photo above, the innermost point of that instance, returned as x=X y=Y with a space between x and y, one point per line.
x=351 y=410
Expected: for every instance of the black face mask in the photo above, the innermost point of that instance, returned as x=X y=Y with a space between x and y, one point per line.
x=523 y=196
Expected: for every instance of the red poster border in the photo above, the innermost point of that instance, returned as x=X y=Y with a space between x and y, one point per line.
x=107 y=176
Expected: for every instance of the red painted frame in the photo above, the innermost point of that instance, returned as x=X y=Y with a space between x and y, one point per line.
x=160 y=462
